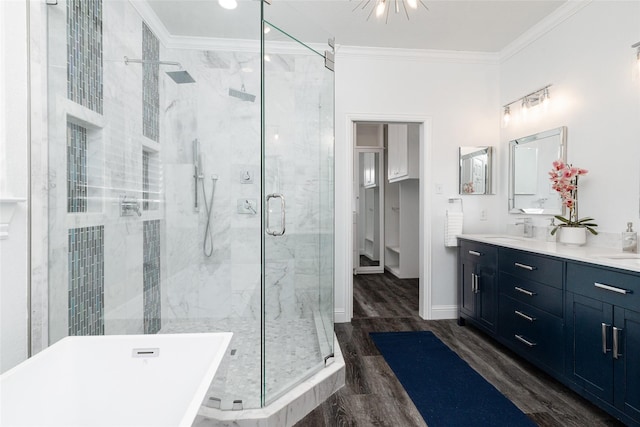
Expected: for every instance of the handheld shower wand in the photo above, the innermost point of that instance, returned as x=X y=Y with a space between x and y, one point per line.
x=197 y=171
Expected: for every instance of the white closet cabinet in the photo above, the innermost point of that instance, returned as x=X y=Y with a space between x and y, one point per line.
x=401 y=228
x=402 y=152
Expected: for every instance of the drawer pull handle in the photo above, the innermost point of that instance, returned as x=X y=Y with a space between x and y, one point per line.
x=525 y=316
x=524 y=266
x=524 y=291
x=616 y=342
x=611 y=288
x=476 y=253
x=525 y=341
x=605 y=350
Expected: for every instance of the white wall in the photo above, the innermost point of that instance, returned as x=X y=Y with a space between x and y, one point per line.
x=596 y=94
x=459 y=93
x=14 y=178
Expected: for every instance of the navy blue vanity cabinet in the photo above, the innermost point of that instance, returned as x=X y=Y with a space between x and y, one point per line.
x=603 y=337
x=530 y=318
x=477 y=284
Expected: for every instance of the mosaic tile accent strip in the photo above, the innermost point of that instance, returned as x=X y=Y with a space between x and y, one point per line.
x=76 y=168
x=145 y=180
x=86 y=281
x=84 y=53
x=151 y=277
x=150 y=85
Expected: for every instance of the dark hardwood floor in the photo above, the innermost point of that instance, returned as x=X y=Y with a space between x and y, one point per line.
x=373 y=396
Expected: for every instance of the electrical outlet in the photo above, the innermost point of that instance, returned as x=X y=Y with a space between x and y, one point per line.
x=483 y=215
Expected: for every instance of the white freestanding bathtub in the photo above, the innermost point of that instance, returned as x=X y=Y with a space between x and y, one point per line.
x=113 y=380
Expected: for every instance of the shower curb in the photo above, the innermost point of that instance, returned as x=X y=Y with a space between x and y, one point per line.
x=289 y=408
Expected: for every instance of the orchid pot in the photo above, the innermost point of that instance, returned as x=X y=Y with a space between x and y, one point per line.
x=564 y=179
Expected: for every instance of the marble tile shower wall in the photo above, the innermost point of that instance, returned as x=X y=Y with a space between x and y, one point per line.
x=114 y=164
x=229 y=133
x=225 y=285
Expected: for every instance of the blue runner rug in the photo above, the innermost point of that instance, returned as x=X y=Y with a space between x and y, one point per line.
x=444 y=388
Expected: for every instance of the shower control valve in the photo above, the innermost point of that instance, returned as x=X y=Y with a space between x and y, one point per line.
x=247 y=206
x=246 y=176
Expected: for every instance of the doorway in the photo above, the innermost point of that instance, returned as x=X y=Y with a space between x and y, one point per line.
x=386 y=198
x=424 y=123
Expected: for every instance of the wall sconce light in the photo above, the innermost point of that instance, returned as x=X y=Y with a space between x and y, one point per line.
x=506 y=116
x=537 y=97
x=637 y=47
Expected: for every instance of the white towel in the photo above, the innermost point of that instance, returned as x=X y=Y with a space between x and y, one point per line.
x=452 y=228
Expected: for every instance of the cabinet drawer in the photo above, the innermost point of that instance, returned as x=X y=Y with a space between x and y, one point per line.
x=532 y=333
x=612 y=287
x=480 y=253
x=531 y=267
x=541 y=296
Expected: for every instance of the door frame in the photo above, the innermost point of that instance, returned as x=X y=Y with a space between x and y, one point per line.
x=424 y=250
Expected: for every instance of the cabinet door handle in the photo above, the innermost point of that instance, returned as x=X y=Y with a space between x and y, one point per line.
x=525 y=316
x=524 y=291
x=474 y=283
x=525 y=341
x=605 y=350
x=476 y=253
x=524 y=266
x=616 y=342
x=611 y=288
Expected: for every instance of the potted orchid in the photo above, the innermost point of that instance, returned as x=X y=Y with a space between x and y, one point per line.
x=564 y=179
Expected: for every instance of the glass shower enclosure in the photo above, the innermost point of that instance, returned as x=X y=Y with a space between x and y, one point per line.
x=190 y=184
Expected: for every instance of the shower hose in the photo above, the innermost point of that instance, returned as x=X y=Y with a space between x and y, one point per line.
x=207 y=249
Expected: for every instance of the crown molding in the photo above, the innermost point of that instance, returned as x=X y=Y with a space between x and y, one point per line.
x=431 y=55
x=151 y=19
x=558 y=16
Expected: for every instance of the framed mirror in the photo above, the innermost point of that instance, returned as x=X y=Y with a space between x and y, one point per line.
x=369 y=235
x=530 y=160
x=475 y=170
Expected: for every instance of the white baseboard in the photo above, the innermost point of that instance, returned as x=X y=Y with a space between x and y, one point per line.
x=441 y=312
x=340 y=316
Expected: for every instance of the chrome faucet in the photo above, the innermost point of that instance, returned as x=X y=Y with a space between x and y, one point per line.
x=527 y=224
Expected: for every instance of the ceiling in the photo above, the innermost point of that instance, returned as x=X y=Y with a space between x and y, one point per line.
x=476 y=25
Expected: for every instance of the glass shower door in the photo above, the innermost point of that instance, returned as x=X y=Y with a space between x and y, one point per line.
x=298 y=221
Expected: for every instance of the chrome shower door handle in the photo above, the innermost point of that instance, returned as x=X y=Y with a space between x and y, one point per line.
x=268 y=230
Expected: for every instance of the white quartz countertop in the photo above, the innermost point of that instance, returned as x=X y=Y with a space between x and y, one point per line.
x=591 y=254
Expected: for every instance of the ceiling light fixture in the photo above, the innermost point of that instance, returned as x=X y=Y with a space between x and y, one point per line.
x=228 y=4
x=637 y=47
x=382 y=7
x=537 y=97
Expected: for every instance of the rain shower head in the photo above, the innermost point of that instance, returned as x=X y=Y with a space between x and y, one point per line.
x=181 y=77
x=242 y=94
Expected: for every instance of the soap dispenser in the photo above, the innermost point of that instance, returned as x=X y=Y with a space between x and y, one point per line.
x=630 y=239
x=550 y=228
